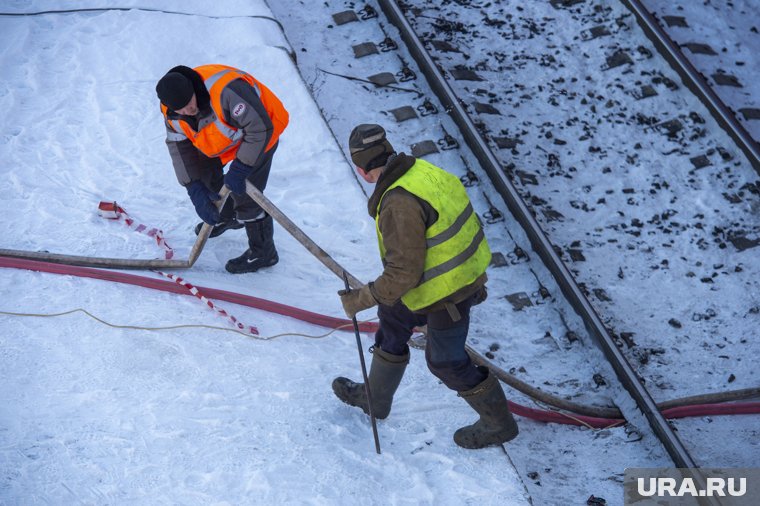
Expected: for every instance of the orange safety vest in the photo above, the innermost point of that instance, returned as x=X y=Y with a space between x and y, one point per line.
x=220 y=139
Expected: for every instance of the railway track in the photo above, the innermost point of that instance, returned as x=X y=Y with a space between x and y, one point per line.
x=540 y=242
x=545 y=324
x=446 y=24
x=719 y=39
x=578 y=139
x=712 y=91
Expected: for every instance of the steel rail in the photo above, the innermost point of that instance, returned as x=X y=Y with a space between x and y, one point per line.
x=538 y=239
x=695 y=81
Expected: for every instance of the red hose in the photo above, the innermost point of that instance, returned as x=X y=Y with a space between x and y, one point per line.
x=168 y=286
x=749 y=408
x=543 y=415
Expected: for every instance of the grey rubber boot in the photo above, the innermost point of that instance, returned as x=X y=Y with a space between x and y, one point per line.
x=496 y=424
x=385 y=376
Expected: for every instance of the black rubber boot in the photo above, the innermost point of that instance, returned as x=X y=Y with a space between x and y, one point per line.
x=227 y=221
x=496 y=424
x=261 y=251
x=221 y=227
x=385 y=375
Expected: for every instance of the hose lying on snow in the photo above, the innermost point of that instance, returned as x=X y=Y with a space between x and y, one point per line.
x=606 y=412
x=590 y=416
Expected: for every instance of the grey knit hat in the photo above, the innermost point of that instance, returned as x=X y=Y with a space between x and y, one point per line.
x=368 y=146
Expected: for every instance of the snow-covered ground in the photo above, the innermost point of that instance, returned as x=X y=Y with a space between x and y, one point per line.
x=91 y=414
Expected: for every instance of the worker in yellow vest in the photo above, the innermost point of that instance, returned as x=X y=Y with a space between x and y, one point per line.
x=215 y=114
x=435 y=257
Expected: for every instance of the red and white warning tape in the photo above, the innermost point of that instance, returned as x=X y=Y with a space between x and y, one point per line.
x=113 y=211
x=197 y=293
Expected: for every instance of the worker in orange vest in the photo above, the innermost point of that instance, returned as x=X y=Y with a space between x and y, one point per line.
x=215 y=114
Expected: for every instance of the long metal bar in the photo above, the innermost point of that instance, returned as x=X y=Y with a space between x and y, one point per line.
x=367 y=389
x=107 y=263
x=299 y=235
x=123 y=263
x=695 y=81
x=540 y=242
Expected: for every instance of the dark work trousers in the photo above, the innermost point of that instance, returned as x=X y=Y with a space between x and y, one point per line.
x=246 y=209
x=243 y=207
x=444 y=353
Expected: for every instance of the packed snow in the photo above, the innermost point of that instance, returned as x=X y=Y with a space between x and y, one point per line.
x=119 y=411
x=93 y=414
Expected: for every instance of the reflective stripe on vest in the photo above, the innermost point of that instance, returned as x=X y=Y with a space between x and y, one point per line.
x=175 y=135
x=218 y=138
x=456 y=252
x=215 y=83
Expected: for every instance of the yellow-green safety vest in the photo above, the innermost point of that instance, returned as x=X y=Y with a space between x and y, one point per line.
x=457 y=251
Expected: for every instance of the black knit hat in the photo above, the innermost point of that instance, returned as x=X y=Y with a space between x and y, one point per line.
x=368 y=146
x=174 y=90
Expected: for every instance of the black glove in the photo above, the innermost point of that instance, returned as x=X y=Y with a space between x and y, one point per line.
x=203 y=200
x=236 y=175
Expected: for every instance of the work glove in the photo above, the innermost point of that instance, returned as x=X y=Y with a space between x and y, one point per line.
x=480 y=296
x=203 y=200
x=236 y=175
x=357 y=300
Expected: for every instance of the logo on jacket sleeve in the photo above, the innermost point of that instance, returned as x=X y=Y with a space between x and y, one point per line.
x=238 y=110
